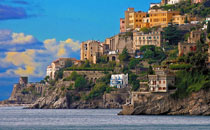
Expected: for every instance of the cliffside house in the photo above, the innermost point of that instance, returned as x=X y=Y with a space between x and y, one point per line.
x=189 y=46
x=119 y=80
x=91 y=50
x=147 y=38
x=161 y=81
x=59 y=64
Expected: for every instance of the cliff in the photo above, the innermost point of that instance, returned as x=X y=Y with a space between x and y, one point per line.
x=197 y=103
x=24 y=94
x=60 y=97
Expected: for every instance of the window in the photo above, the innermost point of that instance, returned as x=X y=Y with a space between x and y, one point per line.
x=160 y=82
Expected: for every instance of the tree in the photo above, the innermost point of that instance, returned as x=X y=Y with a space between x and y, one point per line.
x=150 y=70
x=133 y=63
x=172 y=34
x=74 y=76
x=145 y=30
x=186 y=20
x=80 y=83
x=86 y=64
x=124 y=56
x=208 y=30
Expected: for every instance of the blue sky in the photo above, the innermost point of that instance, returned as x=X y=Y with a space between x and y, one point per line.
x=33 y=33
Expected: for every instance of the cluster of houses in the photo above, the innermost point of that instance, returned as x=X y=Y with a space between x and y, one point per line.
x=132 y=37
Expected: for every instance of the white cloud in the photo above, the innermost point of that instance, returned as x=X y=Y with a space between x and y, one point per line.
x=33 y=62
x=9 y=38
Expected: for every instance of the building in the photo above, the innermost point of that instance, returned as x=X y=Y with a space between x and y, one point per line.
x=197 y=1
x=162 y=18
x=189 y=46
x=152 y=38
x=134 y=20
x=91 y=50
x=163 y=2
x=161 y=81
x=120 y=41
x=207 y=20
x=185 y=48
x=122 y=25
x=59 y=64
x=181 y=19
x=171 y=2
x=195 y=36
x=154 y=5
x=119 y=80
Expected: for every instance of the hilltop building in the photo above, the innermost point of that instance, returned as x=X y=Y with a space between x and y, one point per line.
x=134 y=20
x=152 y=38
x=161 y=81
x=162 y=18
x=171 y=2
x=59 y=64
x=119 y=80
x=91 y=50
x=120 y=41
x=190 y=45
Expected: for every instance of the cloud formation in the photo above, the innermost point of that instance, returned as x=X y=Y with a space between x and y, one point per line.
x=7 y=38
x=32 y=62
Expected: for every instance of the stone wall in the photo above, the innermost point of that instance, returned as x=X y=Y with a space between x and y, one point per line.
x=90 y=75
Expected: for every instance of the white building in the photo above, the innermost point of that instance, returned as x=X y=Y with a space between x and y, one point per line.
x=161 y=81
x=154 y=4
x=57 y=65
x=207 y=20
x=119 y=80
x=171 y=2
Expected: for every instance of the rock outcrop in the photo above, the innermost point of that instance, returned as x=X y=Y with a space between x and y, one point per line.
x=196 y=104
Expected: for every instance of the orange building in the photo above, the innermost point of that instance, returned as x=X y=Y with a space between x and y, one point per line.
x=161 y=18
x=134 y=20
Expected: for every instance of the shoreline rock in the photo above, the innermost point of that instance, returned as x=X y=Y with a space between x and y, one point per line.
x=197 y=103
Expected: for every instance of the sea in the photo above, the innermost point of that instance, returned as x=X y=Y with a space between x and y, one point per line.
x=17 y=118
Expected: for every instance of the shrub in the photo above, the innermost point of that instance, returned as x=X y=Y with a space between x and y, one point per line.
x=25 y=91
x=80 y=83
x=180 y=66
x=97 y=91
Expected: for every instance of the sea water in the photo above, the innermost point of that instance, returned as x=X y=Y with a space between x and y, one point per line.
x=17 y=118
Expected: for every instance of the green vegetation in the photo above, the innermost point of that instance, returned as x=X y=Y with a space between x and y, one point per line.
x=186 y=7
x=153 y=53
x=150 y=70
x=102 y=59
x=180 y=66
x=172 y=35
x=98 y=90
x=145 y=30
x=124 y=56
x=25 y=91
x=133 y=63
x=59 y=74
x=81 y=83
x=208 y=30
x=196 y=77
x=133 y=81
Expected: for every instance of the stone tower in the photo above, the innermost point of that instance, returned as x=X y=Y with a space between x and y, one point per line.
x=23 y=80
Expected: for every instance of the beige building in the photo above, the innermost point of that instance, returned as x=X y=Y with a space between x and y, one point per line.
x=59 y=64
x=134 y=20
x=91 y=50
x=118 y=42
x=161 y=81
x=151 y=38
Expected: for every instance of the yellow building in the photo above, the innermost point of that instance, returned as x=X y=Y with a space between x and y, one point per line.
x=161 y=18
x=91 y=50
x=134 y=20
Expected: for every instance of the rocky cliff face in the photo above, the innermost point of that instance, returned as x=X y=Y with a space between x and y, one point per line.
x=196 y=104
x=24 y=94
x=59 y=97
